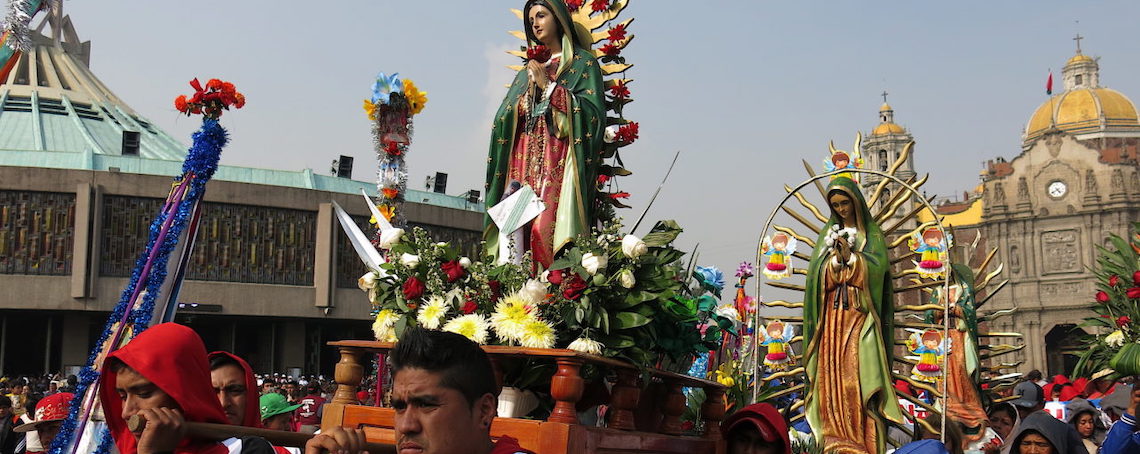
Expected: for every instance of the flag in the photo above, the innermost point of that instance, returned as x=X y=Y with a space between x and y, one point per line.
x=1049 y=84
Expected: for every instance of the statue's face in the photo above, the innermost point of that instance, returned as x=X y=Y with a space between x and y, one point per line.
x=543 y=24
x=841 y=204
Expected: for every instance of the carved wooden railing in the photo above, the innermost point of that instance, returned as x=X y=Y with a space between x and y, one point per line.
x=627 y=404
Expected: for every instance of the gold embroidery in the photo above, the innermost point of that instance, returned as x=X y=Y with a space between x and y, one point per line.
x=502 y=141
x=577 y=141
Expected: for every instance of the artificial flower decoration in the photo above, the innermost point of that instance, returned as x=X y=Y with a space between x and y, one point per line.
x=745 y=270
x=574 y=287
x=1114 y=281
x=1101 y=297
x=627 y=133
x=610 y=50
x=453 y=270
x=586 y=345
x=573 y=5
x=710 y=278
x=617 y=33
x=416 y=98
x=619 y=90
x=538 y=53
x=1122 y=321
x=390 y=193
x=600 y=5
x=384 y=86
x=211 y=101
x=370 y=109
x=413 y=288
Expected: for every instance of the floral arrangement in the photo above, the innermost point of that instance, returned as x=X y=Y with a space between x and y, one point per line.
x=1117 y=304
x=210 y=101
x=390 y=108
x=611 y=294
x=834 y=235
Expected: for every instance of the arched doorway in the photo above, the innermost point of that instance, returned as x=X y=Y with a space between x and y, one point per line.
x=1063 y=348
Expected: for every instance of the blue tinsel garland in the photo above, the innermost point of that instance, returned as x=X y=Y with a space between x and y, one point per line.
x=200 y=165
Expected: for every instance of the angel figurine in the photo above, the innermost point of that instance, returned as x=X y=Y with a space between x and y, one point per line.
x=776 y=338
x=932 y=246
x=841 y=160
x=778 y=248
x=931 y=347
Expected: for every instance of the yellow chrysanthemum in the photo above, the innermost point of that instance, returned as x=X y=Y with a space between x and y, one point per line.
x=370 y=109
x=471 y=326
x=384 y=326
x=510 y=315
x=537 y=334
x=431 y=314
x=416 y=98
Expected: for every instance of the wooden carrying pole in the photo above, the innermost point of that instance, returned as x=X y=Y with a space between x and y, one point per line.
x=220 y=432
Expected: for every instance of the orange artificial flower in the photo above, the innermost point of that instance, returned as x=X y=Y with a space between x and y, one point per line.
x=390 y=193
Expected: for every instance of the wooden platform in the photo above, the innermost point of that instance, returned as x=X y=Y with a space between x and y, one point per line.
x=659 y=431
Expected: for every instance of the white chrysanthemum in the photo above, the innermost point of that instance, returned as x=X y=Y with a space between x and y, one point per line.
x=471 y=326
x=510 y=315
x=587 y=345
x=384 y=326
x=728 y=311
x=537 y=334
x=533 y=291
x=1115 y=340
x=432 y=312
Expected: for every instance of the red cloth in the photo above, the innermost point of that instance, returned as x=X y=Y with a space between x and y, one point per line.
x=508 y=445
x=172 y=357
x=252 y=416
x=310 y=412
x=766 y=420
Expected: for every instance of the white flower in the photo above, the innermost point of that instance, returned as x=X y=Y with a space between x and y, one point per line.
x=633 y=247
x=626 y=279
x=367 y=281
x=390 y=237
x=536 y=333
x=592 y=263
x=728 y=311
x=472 y=326
x=544 y=277
x=511 y=314
x=586 y=345
x=611 y=133
x=431 y=313
x=1115 y=340
x=409 y=260
x=533 y=291
x=384 y=326
x=441 y=244
x=465 y=262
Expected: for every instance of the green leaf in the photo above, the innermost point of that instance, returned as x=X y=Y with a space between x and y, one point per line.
x=707 y=303
x=662 y=234
x=617 y=341
x=560 y=264
x=626 y=320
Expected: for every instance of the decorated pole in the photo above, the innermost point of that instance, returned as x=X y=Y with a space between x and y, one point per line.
x=16 y=37
x=157 y=277
x=391 y=107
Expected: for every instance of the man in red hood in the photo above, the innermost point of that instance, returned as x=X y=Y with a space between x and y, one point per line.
x=756 y=429
x=236 y=388
x=163 y=376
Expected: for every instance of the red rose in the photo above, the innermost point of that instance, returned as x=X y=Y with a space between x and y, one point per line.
x=453 y=270
x=1122 y=320
x=538 y=53
x=496 y=290
x=469 y=307
x=1101 y=297
x=413 y=288
x=1134 y=292
x=1136 y=278
x=574 y=287
x=556 y=277
x=1114 y=281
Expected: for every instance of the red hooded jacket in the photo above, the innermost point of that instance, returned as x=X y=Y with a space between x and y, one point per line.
x=252 y=417
x=767 y=421
x=172 y=357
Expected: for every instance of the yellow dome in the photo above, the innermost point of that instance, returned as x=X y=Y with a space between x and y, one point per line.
x=1080 y=111
x=888 y=128
x=1079 y=58
x=885 y=107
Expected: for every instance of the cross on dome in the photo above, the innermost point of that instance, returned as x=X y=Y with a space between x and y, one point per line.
x=1078 y=39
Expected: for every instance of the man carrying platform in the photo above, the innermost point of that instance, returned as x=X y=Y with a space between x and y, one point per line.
x=444 y=394
x=163 y=376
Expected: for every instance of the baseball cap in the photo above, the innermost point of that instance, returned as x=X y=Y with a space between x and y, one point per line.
x=1031 y=395
x=273 y=404
x=50 y=408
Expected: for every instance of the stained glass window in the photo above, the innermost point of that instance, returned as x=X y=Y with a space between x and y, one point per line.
x=36 y=231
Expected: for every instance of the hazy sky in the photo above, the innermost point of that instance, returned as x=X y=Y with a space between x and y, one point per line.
x=744 y=89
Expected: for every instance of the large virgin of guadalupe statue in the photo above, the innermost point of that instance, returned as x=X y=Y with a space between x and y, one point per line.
x=848 y=309
x=963 y=367
x=548 y=133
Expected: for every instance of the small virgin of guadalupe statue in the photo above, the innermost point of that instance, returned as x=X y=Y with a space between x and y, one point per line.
x=848 y=314
x=547 y=134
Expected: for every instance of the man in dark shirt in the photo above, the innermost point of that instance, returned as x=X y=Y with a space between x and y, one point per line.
x=8 y=438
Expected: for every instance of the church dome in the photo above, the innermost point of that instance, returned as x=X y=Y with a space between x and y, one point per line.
x=887 y=128
x=1084 y=107
x=1083 y=111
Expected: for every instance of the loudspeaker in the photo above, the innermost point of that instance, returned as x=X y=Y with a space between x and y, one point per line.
x=440 y=183
x=473 y=196
x=344 y=167
x=130 y=143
